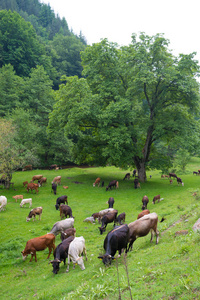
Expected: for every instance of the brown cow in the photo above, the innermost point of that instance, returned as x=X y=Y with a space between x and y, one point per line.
x=26 y=168
x=143 y=213
x=121 y=218
x=38 y=244
x=57 y=180
x=97 y=181
x=127 y=176
x=18 y=197
x=36 y=177
x=145 y=201
x=95 y=216
x=67 y=232
x=172 y=175
x=42 y=180
x=65 y=210
x=142 y=227
x=34 y=212
x=156 y=198
x=108 y=218
x=25 y=183
x=32 y=186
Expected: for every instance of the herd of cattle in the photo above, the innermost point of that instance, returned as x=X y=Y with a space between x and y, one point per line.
x=121 y=238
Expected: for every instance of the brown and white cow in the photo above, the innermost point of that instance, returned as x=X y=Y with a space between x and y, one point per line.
x=42 y=181
x=38 y=244
x=57 y=180
x=156 y=198
x=97 y=181
x=34 y=212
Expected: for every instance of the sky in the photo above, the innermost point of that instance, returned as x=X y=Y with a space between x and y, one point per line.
x=116 y=20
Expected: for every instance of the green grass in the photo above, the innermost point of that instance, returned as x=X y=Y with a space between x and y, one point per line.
x=169 y=270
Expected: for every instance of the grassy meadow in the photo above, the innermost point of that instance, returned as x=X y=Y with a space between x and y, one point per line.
x=169 y=270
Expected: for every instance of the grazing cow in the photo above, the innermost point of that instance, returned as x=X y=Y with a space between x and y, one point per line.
x=60 y=254
x=116 y=240
x=103 y=212
x=111 y=184
x=179 y=180
x=196 y=173
x=25 y=183
x=26 y=168
x=3 y=202
x=61 y=199
x=65 y=187
x=145 y=201
x=57 y=180
x=34 y=212
x=143 y=213
x=18 y=197
x=102 y=184
x=32 y=186
x=65 y=210
x=36 y=177
x=156 y=198
x=136 y=182
x=38 y=244
x=172 y=175
x=142 y=227
x=121 y=218
x=108 y=218
x=95 y=216
x=53 y=167
x=60 y=226
x=76 y=248
x=67 y=232
x=134 y=172
x=97 y=181
x=111 y=202
x=54 y=188
x=127 y=176
x=42 y=180
x=26 y=201
x=164 y=176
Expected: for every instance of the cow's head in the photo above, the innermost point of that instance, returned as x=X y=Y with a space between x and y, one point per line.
x=24 y=256
x=27 y=219
x=57 y=206
x=56 y=265
x=107 y=259
x=80 y=262
x=102 y=229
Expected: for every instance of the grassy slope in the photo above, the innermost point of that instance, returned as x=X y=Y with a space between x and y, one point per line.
x=169 y=270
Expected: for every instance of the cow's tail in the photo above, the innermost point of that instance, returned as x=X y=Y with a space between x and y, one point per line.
x=163 y=219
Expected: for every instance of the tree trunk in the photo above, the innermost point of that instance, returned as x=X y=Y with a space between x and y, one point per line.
x=140 y=165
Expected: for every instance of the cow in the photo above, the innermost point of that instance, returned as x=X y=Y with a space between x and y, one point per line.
x=121 y=218
x=164 y=176
x=54 y=188
x=36 y=177
x=60 y=226
x=103 y=212
x=111 y=202
x=26 y=201
x=136 y=182
x=134 y=172
x=61 y=199
x=26 y=168
x=145 y=201
x=53 y=167
x=142 y=227
x=179 y=180
x=95 y=216
x=196 y=173
x=127 y=176
x=57 y=180
x=38 y=244
x=102 y=184
x=34 y=212
x=67 y=232
x=89 y=220
x=16 y=197
x=116 y=240
x=97 y=181
x=106 y=219
x=156 y=198
x=32 y=186
x=42 y=180
x=76 y=248
x=25 y=183
x=3 y=202
x=111 y=184
x=65 y=210
x=61 y=254
x=172 y=175
x=65 y=187
x=143 y=213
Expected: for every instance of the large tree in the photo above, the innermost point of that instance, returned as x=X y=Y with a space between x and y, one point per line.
x=135 y=99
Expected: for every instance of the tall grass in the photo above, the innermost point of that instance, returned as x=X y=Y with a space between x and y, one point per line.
x=169 y=270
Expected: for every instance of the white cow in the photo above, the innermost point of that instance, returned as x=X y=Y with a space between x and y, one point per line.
x=60 y=226
x=26 y=201
x=3 y=202
x=76 y=248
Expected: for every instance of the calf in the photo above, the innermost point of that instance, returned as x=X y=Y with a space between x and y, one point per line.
x=60 y=254
x=156 y=198
x=143 y=213
x=108 y=218
x=34 y=212
x=57 y=180
x=25 y=183
x=111 y=184
x=127 y=176
x=116 y=240
x=121 y=218
x=26 y=201
x=172 y=175
x=54 y=188
x=67 y=232
x=142 y=227
x=42 y=180
x=33 y=186
x=103 y=212
x=39 y=244
x=97 y=181
x=111 y=202
x=18 y=197
x=179 y=180
x=3 y=202
x=90 y=220
x=36 y=177
x=145 y=201
x=76 y=248
x=66 y=211
x=61 y=199
x=60 y=226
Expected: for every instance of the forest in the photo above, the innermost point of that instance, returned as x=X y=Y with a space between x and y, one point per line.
x=65 y=102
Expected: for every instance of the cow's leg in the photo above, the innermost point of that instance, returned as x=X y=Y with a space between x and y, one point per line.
x=157 y=236
x=68 y=264
x=84 y=251
x=152 y=235
x=131 y=243
x=50 y=249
